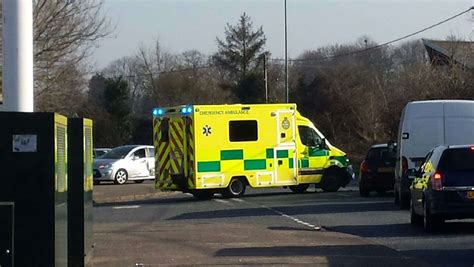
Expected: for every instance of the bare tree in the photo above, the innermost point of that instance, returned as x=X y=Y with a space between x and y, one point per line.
x=65 y=32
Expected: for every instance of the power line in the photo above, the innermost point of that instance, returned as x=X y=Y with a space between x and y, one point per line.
x=380 y=45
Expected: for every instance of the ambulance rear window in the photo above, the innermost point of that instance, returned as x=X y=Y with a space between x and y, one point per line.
x=243 y=131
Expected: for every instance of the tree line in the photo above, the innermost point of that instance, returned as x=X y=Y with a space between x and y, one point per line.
x=354 y=95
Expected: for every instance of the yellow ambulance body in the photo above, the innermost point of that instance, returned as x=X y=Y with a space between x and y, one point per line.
x=208 y=149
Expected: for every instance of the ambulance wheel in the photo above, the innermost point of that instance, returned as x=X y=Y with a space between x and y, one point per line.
x=203 y=194
x=330 y=182
x=301 y=188
x=121 y=176
x=236 y=188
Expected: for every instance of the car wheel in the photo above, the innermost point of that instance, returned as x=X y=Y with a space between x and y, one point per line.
x=139 y=181
x=121 y=176
x=430 y=223
x=330 y=182
x=415 y=219
x=203 y=194
x=301 y=188
x=236 y=188
x=363 y=192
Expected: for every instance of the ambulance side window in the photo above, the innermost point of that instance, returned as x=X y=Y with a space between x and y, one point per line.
x=243 y=131
x=308 y=136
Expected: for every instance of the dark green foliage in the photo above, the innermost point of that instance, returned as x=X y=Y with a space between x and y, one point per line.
x=240 y=55
x=250 y=89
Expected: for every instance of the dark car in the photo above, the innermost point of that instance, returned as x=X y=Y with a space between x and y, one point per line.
x=377 y=171
x=443 y=188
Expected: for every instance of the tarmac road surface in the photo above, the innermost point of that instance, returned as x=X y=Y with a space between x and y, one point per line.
x=267 y=227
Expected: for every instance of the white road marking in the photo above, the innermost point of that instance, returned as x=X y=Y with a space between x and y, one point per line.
x=221 y=201
x=238 y=200
x=317 y=228
x=127 y=207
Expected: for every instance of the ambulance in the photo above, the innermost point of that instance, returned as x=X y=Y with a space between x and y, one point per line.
x=209 y=149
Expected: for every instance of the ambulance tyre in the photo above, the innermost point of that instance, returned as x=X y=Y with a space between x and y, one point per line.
x=330 y=181
x=235 y=189
x=203 y=194
x=299 y=189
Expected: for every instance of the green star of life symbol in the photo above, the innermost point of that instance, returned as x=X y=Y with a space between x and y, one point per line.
x=206 y=130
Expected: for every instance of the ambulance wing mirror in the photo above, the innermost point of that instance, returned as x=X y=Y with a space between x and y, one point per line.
x=322 y=144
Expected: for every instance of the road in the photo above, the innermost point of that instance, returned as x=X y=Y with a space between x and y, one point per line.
x=272 y=227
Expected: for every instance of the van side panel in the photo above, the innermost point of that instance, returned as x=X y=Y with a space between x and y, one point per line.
x=424 y=125
x=459 y=123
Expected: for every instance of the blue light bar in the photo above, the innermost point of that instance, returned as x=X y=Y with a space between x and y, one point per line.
x=189 y=110
x=183 y=110
x=157 y=112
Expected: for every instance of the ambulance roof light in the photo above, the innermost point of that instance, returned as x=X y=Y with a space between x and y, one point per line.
x=186 y=110
x=157 y=112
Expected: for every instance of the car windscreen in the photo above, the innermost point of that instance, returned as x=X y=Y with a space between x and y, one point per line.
x=457 y=159
x=381 y=156
x=117 y=153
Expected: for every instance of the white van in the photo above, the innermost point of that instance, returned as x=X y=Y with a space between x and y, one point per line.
x=423 y=126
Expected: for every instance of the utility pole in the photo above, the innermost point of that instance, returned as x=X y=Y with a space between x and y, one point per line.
x=18 y=55
x=265 y=77
x=286 y=60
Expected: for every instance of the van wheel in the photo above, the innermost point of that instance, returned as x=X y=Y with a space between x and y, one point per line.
x=203 y=194
x=396 y=197
x=236 y=188
x=363 y=192
x=404 y=202
x=330 y=182
x=301 y=188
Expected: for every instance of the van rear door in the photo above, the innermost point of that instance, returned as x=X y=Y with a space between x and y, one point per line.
x=422 y=130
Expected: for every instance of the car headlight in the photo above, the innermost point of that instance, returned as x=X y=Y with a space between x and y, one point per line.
x=105 y=166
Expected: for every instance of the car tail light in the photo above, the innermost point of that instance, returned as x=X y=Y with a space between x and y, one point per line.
x=437 y=181
x=472 y=148
x=364 y=167
x=404 y=165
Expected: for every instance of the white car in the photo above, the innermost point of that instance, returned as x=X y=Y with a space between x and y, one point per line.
x=126 y=163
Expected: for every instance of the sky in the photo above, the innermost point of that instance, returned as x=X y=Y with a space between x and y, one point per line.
x=182 y=25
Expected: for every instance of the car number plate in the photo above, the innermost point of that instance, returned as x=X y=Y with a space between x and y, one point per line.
x=470 y=194
x=386 y=169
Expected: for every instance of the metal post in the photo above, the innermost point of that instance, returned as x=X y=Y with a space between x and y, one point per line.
x=18 y=55
x=265 y=77
x=286 y=60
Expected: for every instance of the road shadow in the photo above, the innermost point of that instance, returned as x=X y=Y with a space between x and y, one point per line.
x=445 y=257
x=285 y=228
x=289 y=210
x=153 y=201
x=336 y=255
x=454 y=228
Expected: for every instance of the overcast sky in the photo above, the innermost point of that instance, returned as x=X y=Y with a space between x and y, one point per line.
x=182 y=25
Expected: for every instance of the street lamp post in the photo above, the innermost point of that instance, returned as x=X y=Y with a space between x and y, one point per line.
x=286 y=60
